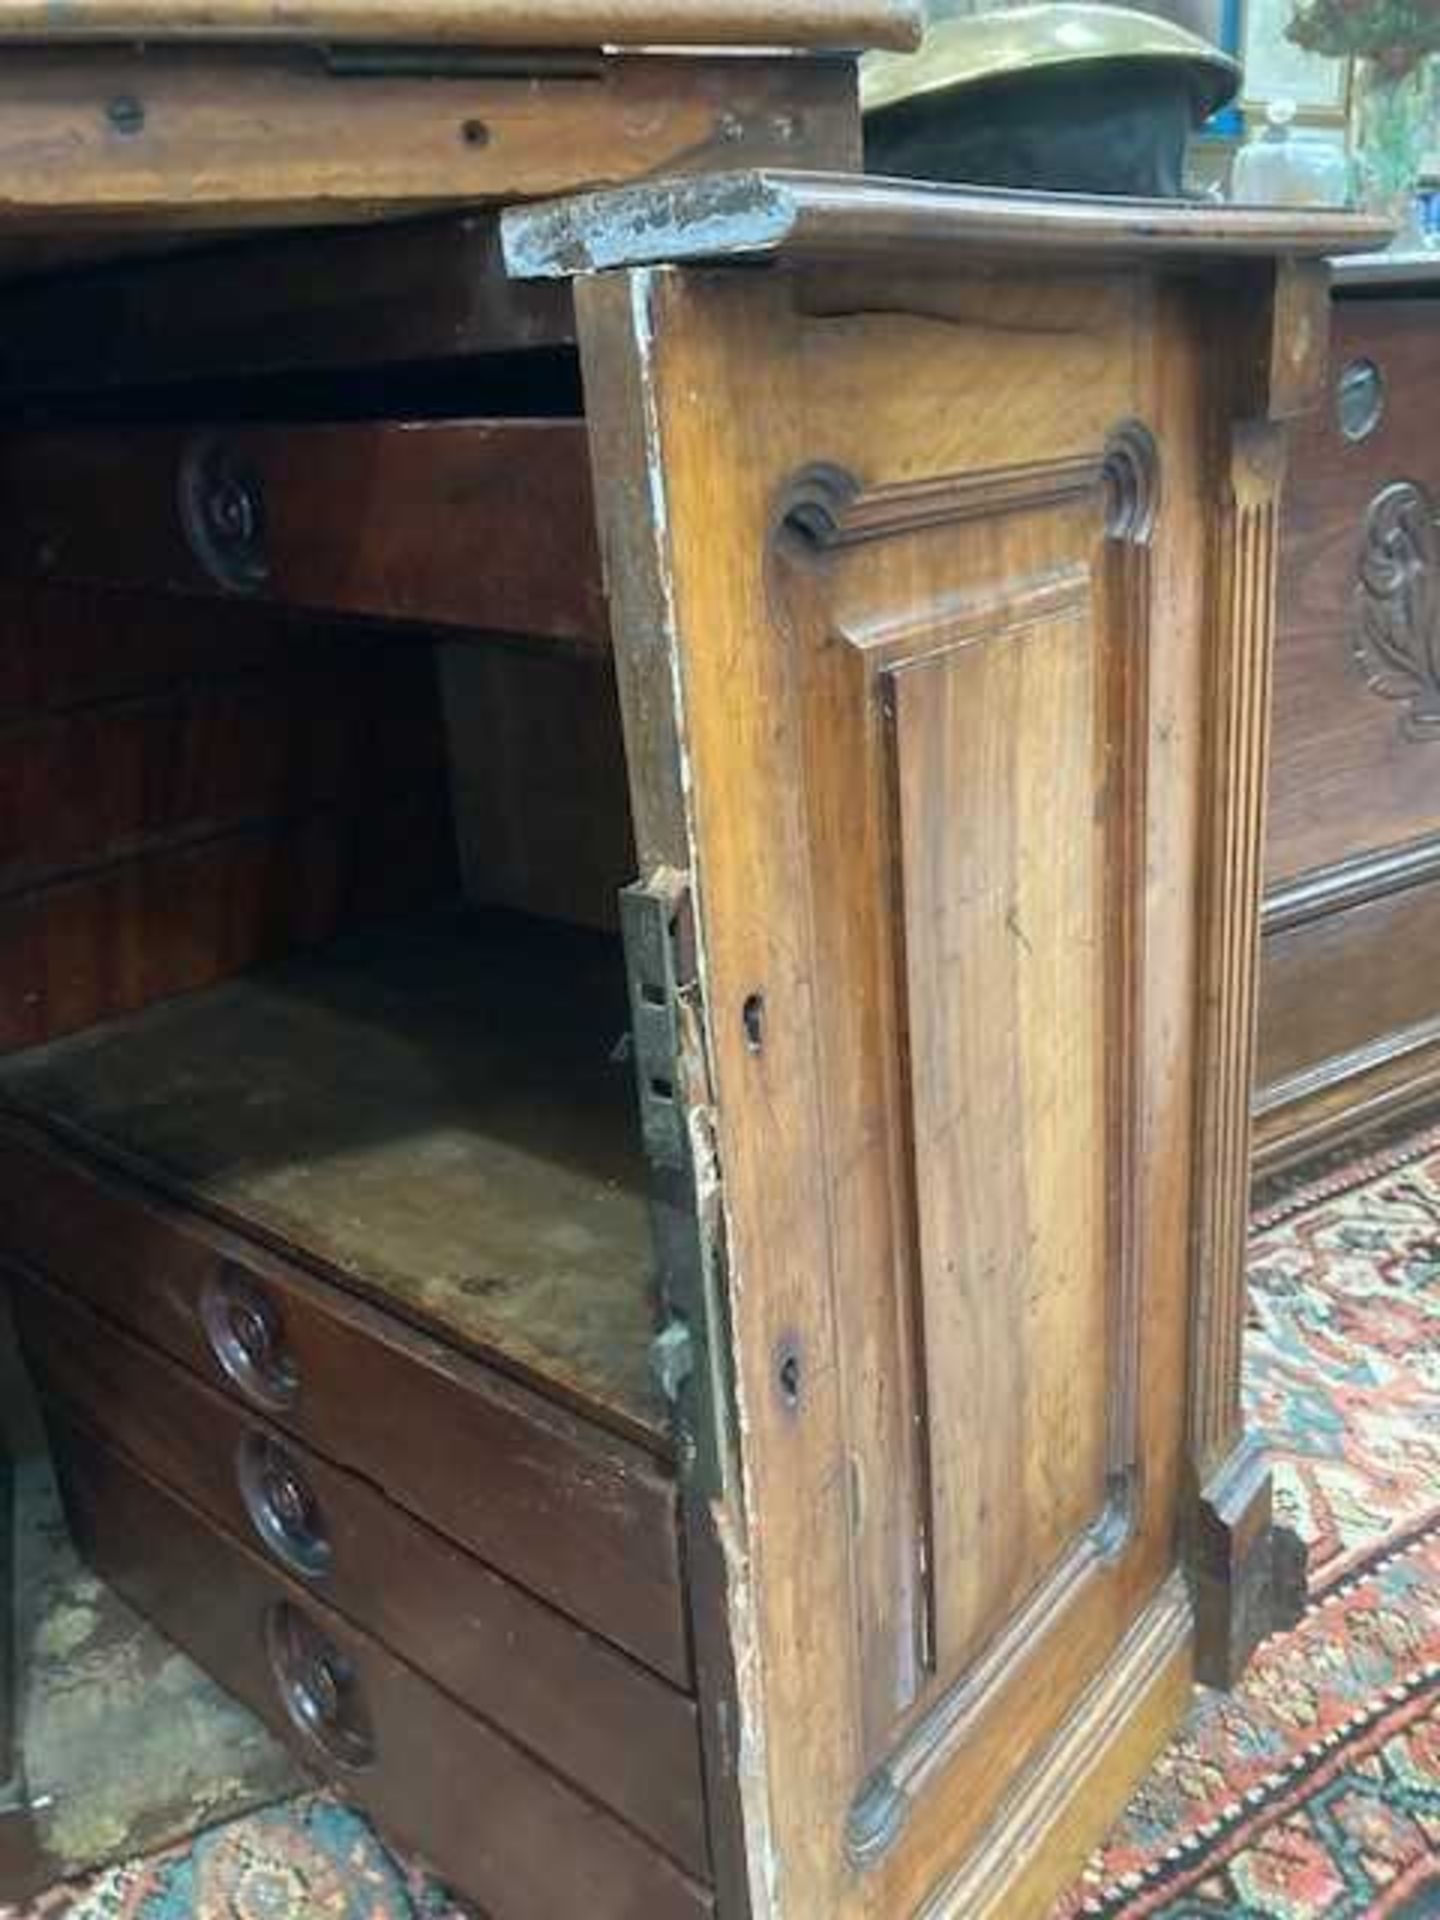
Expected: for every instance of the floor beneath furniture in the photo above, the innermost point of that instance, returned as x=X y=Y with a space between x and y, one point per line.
x=1312 y=1794
x=127 y=1744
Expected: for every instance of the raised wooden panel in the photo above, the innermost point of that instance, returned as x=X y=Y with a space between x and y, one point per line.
x=1005 y=975
x=946 y=734
x=1355 y=764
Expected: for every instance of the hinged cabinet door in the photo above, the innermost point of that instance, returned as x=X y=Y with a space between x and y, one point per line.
x=910 y=588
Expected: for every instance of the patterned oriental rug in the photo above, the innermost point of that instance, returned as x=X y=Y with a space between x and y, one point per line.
x=1311 y=1794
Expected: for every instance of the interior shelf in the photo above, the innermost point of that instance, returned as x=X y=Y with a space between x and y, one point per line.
x=439 y=1113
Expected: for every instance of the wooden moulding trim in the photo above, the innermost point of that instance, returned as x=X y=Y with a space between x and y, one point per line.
x=833 y=511
x=765 y=214
x=1350 y=883
x=1387 y=271
x=1158 y=1638
x=1345 y=1066
x=506 y=23
x=934 y=1743
x=1379 y=1095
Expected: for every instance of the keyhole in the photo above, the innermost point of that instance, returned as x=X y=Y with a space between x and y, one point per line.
x=752 y=1019
x=789 y=1375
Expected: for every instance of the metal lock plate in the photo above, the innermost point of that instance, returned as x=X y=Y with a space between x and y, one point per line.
x=647 y=919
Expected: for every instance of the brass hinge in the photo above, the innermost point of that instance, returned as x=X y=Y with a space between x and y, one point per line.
x=690 y=1355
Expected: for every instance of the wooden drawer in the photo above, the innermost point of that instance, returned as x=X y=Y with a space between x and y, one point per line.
x=502 y=1828
x=585 y=1520
x=483 y=524
x=1354 y=769
x=617 y=1731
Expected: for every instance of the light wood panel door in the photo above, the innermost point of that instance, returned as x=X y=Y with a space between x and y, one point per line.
x=943 y=613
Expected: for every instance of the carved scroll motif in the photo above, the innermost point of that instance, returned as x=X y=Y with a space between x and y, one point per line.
x=1397 y=629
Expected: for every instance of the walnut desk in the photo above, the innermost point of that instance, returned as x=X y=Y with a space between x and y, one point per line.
x=624 y=1112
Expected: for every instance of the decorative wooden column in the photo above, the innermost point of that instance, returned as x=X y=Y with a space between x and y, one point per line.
x=1249 y=1574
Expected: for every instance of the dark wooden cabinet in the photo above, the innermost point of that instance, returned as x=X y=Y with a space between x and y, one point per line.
x=1350 y=1015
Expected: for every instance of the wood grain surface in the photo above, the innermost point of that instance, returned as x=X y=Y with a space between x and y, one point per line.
x=125 y=138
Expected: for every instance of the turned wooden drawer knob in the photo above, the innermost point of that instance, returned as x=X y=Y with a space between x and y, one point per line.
x=282 y=1505
x=319 y=1688
x=247 y=1337
x=222 y=509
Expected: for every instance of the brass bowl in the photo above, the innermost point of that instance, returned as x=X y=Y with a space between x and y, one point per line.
x=1097 y=99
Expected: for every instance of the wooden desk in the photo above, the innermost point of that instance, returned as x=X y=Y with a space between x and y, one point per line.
x=926 y=680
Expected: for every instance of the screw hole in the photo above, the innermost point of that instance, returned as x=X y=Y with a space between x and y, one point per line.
x=475 y=133
x=789 y=1376
x=126 y=114
x=752 y=1016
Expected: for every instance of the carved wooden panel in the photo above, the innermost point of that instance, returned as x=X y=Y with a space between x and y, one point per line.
x=952 y=637
x=1353 y=773
x=1397 y=603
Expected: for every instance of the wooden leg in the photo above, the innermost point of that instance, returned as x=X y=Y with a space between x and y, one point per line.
x=1248 y=1573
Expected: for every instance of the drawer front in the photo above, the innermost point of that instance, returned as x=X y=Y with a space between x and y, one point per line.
x=617 y=1731
x=1341 y=994
x=1356 y=742
x=485 y=524
x=503 y=1829
x=586 y=1521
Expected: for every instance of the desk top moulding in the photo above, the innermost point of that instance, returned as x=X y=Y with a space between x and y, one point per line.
x=844 y=24
x=793 y=215
x=941 y=562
